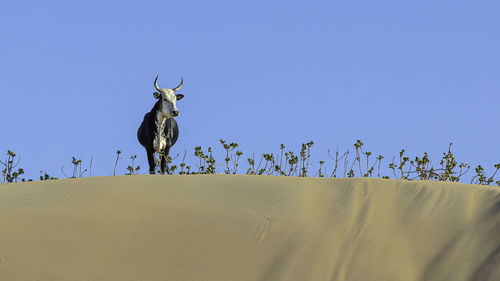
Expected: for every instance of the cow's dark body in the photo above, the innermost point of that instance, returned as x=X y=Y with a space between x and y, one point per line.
x=146 y=136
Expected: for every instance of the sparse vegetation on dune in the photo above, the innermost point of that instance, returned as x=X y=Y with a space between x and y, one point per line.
x=9 y=174
x=355 y=163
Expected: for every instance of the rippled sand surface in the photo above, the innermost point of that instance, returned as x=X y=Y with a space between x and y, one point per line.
x=237 y=227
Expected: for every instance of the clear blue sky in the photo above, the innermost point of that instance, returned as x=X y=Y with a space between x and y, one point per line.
x=76 y=77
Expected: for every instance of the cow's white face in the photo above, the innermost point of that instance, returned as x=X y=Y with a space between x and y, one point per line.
x=167 y=102
x=167 y=99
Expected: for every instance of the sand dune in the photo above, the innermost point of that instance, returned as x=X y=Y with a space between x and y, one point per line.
x=219 y=227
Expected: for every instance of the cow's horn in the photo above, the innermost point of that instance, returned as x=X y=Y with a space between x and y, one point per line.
x=156 y=85
x=178 y=87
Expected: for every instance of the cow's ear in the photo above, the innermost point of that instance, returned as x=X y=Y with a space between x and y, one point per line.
x=156 y=95
x=179 y=96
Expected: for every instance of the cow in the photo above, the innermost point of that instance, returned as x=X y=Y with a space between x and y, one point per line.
x=159 y=131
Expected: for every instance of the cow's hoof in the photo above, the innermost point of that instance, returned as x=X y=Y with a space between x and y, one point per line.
x=151 y=172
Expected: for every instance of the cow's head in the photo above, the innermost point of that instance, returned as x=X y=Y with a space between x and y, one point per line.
x=167 y=98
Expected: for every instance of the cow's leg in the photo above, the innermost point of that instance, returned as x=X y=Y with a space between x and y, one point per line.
x=151 y=160
x=163 y=162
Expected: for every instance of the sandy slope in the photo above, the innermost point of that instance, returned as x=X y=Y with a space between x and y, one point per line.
x=218 y=227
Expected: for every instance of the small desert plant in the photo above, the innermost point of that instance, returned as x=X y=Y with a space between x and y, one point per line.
x=183 y=164
x=481 y=178
x=292 y=160
x=132 y=169
x=230 y=157
x=269 y=164
x=320 y=172
x=207 y=162
x=336 y=161
x=171 y=169
x=90 y=167
x=9 y=174
x=305 y=154
x=44 y=176
x=118 y=152
x=77 y=168
x=251 y=165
